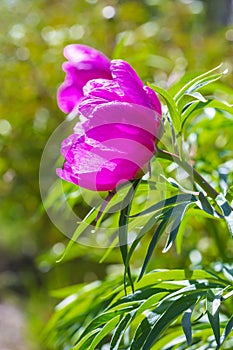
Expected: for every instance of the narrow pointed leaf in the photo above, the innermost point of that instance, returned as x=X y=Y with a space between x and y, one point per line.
x=108 y=327
x=152 y=246
x=213 y=306
x=174 y=114
x=123 y=230
x=120 y=330
x=174 y=310
x=193 y=84
x=226 y=210
x=194 y=108
x=205 y=205
x=152 y=301
x=197 y=95
x=143 y=330
x=226 y=332
x=179 y=198
x=80 y=229
x=204 y=82
x=186 y=324
x=86 y=340
x=175 y=226
x=228 y=273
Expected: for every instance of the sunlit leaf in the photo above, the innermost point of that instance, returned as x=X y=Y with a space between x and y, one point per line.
x=152 y=245
x=176 y=309
x=120 y=330
x=174 y=114
x=213 y=306
x=226 y=210
x=80 y=229
x=195 y=108
x=198 y=82
x=108 y=327
x=205 y=205
x=197 y=96
x=174 y=200
x=226 y=332
x=175 y=226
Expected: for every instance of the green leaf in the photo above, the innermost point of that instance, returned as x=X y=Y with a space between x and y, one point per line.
x=205 y=205
x=174 y=214
x=223 y=106
x=197 y=95
x=80 y=229
x=170 y=340
x=160 y=207
x=175 y=226
x=143 y=330
x=228 y=273
x=228 y=295
x=176 y=309
x=133 y=247
x=113 y=199
x=129 y=302
x=171 y=275
x=213 y=306
x=195 y=107
x=174 y=113
x=186 y=324
x=174 y=200
x=108 y=327
x=204 y=82
x=120 y=330
x=152 y=221
x=151 y=301
x=229 y=195
x=123 y=229
x=109 y=249
x=97 y=324
x=226 y=332
x=198 y=82
x=175 y=184
x=226 y=210
x=86 y=340
x=152 y=245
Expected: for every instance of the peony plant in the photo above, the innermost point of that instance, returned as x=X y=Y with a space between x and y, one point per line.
x=119 y=122
x=118 y=135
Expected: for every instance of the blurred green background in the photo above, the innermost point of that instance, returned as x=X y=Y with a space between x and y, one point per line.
x=164 y=39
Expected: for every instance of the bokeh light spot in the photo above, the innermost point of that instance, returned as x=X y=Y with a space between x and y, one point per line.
x=5 y=127
x=108 y=12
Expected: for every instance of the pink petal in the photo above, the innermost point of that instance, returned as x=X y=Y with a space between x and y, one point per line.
x=68 y=96
x=127 y=114
x=104 y=88
x=129 y=82
x=86 y=57
x=154 y=101
x=84 y=64
x=101 y=166
x=99 y=91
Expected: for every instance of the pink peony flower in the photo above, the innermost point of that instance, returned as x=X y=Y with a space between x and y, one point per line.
x=115 y=139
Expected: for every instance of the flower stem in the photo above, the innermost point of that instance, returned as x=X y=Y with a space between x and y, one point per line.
x=210 y=191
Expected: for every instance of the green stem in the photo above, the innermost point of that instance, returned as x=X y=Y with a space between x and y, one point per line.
x=210 y=191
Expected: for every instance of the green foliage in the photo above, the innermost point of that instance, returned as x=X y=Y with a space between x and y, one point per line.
x=166 y=308
x=166 y=215
x=164 y=303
